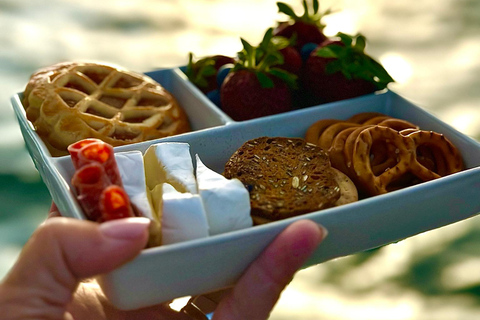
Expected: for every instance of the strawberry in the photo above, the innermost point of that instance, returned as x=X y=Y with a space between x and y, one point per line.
x=304 y=29
x=244 y=96
x=340 y=69
x=292 y=60
x=203 y=72
x=256 y=86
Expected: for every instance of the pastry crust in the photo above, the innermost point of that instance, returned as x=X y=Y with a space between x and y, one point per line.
x=71 y=101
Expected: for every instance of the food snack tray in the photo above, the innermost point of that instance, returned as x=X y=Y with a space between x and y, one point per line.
x=167 y=272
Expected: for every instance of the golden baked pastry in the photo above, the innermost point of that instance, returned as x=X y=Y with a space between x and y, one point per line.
x=71 y=101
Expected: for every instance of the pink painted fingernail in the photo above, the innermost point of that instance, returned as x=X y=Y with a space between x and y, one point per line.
x=126 y=228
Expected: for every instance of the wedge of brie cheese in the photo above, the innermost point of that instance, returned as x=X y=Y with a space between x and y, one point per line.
x=226 y=201
x=170 y=162
x=130 y=166
x=183 y=216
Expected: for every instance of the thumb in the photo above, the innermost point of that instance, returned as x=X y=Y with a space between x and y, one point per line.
x=63 y=251
x=258 y=290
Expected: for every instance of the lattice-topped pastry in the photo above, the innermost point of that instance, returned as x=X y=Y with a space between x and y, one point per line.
x=71 y=101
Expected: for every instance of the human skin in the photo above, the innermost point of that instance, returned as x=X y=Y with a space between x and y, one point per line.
x=50 y=278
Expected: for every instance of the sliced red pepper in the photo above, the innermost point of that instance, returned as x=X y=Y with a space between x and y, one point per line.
x=115 y=204
x=94 y=150
x=97 y=181
x=75 y=148
x=89 y=183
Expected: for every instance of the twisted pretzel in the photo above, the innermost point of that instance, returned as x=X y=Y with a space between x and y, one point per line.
x=315 y=130
x=418 y=155
x=381 y=153
x=360 y=118
x=377 y=120
x=336 y=150
x=361 y=163
x=323 y=132
x=349 y=146
x=326 y=138
x=435 y=156
x=398 y=124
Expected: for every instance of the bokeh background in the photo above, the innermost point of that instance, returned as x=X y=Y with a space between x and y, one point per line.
x=430 y=47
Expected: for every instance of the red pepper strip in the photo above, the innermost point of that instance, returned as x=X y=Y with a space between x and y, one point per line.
x=115 y=204
x=75 y=148
x=89 y=183
x=94 y=150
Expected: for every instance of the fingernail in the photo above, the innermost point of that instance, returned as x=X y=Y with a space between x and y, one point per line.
x=125 y=229
x=323 y=230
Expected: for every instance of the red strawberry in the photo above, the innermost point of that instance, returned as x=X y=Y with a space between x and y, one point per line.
x=304 y=29
x=256 y=86
x=203 y=73
x=340 y=69
x=243 y=97
x=292 y=61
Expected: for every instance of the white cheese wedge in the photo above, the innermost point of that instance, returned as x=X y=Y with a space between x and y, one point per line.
x=170 y=162
x=131 y=168
x=226 y=201
x=183 y=216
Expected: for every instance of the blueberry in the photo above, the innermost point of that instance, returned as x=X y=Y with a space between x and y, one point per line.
x=307 y=50
x=222 y=73
x=214 y=96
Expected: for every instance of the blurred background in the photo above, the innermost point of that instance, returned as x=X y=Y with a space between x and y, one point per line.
x=430 y=47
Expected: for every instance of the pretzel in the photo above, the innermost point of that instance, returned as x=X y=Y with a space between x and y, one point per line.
x=407 y=131
x=425 y=155
x=381 y=153
x=397 y=124
x=315 y=130
x=336 y=150
x=349 y=147
x=404 y=150
x=360 y=118
x=327 y=136
x=387 y=121
x=71 y=101
x=436 y=148
x=324 y=131
x=376 y=120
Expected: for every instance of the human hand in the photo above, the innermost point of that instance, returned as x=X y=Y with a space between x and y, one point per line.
x=46 y=281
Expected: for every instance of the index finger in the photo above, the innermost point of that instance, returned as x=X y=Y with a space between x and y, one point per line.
x=53 y=212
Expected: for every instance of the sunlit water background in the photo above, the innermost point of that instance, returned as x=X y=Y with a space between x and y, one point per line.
x=430 y=47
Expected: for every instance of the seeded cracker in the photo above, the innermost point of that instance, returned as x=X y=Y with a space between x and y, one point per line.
x=285 y=176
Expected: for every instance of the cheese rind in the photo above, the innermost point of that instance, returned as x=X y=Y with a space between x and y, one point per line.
x=183 y=216
x=226 y=201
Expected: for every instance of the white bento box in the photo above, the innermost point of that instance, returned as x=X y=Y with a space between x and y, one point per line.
x=194 y=267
